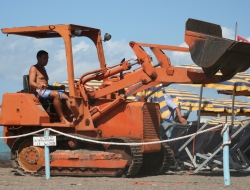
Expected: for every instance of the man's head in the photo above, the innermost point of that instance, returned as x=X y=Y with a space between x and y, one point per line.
x=42 y=57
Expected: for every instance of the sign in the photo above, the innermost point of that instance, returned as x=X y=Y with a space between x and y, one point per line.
x=44 y=141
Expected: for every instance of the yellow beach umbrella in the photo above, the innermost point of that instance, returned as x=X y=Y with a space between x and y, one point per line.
x=236 y=85
x=218 y=120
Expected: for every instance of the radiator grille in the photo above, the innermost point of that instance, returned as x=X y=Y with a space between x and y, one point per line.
x=151 y=121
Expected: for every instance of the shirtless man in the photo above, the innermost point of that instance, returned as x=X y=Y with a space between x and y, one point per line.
x=38 y=79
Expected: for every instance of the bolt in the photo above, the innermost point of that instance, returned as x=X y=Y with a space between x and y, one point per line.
x=87 y=122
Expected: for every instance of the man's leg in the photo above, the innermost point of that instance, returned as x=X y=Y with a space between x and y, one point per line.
x=65 y=97
x=58 y=106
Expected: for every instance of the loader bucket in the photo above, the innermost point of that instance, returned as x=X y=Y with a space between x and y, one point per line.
x=212 y=52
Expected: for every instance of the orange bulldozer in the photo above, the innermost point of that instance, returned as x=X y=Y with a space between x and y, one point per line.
x=105 y=114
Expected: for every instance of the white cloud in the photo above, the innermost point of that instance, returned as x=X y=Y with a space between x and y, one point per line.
x=82 y=46
x=181 y=58
x=42 y=43
x=59 y=55
x=228 y=33
x=115 y=51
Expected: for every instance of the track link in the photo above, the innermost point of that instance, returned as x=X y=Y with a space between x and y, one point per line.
x=168 y=159
x=137 y=160
x=158 y=162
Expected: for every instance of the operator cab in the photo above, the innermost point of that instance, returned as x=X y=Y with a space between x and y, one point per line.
x=66 y=32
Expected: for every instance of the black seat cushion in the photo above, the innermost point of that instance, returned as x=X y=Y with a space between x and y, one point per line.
x=26 y=86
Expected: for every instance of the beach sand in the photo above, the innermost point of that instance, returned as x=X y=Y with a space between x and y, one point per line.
x=4 y=164
x=181 y=181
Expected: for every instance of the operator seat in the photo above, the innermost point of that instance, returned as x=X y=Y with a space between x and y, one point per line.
x=26 y=86
x=47 y=103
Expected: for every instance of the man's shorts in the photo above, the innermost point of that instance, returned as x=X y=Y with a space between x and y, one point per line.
x=46 y=93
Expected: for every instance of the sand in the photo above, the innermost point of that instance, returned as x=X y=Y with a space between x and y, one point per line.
x=173 y=180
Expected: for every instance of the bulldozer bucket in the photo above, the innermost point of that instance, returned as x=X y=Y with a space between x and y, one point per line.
x=212 y=52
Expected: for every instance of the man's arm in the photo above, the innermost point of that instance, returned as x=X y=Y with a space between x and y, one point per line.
x=171 y=104
x=181 y=119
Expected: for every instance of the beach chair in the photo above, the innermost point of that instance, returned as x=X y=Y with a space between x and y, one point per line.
x=237 y=154
x=191 y=145
x=238 y=137
x=214 y=139
x=183 y=147
x=209 y=145
x=179 y=130
x=245 y=150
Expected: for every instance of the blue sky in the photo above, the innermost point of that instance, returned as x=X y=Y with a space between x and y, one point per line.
x=151 y=21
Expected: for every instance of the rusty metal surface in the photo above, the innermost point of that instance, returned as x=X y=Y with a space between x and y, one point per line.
x=212 y=52
x=81 y=159
x=30 y=158
x=49 y=31
x=151 y=121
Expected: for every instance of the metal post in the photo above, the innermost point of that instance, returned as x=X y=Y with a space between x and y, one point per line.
x=233 y=99
x=199 y=111
x=47 y=160
x=236 y=31
x=226 y=171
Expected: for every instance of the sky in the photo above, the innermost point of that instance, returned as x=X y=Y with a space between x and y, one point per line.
x=149 y=21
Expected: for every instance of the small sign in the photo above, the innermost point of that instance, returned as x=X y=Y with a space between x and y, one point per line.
x=44 y=141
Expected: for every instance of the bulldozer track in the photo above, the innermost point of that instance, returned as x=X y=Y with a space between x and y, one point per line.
x=137 y=160
x=134 y=168
x=136 y=155
x=168 y=159
x=158 y=163
x=14 y=157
